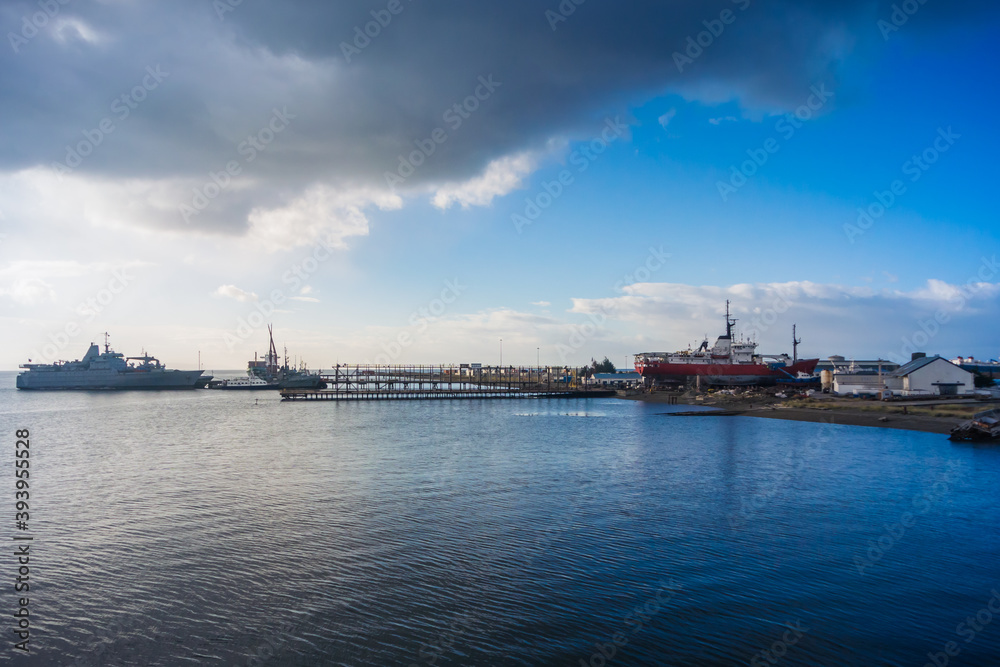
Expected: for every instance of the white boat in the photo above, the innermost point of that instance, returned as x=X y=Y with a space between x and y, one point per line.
x=250 y=381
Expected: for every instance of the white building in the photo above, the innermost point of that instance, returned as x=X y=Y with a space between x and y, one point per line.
x=862 y=383
x=930 y=376
x=862 y=378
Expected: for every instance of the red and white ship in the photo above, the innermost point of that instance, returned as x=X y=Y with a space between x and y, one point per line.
x=728 y=363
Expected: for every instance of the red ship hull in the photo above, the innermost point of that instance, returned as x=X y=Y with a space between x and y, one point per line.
x=724 y=373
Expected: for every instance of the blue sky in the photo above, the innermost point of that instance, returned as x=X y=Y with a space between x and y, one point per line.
x=442 y=262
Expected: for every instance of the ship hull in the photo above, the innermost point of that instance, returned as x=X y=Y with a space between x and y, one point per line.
x=85 y=379
x=723 y=374
x=304 y=382
x=991 y=371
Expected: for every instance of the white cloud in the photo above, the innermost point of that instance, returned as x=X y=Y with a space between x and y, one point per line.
x=122 y=204
x=234 y=292
x=28 y=282
x=61 y=268
x=68 y=28
x=667 y=117
x=836 y=317
x=949 y=297
x=307 y=299
x=322 y=214
x=29 y=291
x=500 y=177
x=543 y=304
x=723 y=119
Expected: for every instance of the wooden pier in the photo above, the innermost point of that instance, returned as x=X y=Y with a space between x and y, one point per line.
x=432 y=394
x=386 y=383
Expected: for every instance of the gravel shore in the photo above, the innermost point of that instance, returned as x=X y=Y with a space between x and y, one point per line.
x=767 y=407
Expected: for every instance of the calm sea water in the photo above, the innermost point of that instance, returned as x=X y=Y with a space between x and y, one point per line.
x=200 y=527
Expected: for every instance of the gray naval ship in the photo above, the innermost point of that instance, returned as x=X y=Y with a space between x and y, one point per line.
x=108 y=370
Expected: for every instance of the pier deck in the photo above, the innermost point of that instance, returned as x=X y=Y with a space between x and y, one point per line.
x=382 y=383
x=433 y=394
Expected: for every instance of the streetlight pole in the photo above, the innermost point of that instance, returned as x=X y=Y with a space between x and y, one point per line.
x=501 y=353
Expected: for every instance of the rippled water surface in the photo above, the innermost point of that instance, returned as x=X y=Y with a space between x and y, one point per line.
x=205 y=527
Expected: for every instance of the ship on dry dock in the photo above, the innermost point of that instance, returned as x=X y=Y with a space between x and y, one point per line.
x=729 y=362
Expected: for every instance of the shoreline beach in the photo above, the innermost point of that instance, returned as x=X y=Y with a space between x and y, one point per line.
x=875 y=415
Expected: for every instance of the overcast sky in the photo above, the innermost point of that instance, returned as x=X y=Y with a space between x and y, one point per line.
x=415 y=180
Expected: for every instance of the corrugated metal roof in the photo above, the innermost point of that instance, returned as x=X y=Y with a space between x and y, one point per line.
x=916 y=364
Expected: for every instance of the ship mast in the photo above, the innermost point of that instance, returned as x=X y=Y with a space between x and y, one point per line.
x=729 y=322
x=795 y=346
x=106 y=347
x=272 y=353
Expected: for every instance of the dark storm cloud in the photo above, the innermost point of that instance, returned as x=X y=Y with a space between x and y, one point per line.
x=226 y=68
